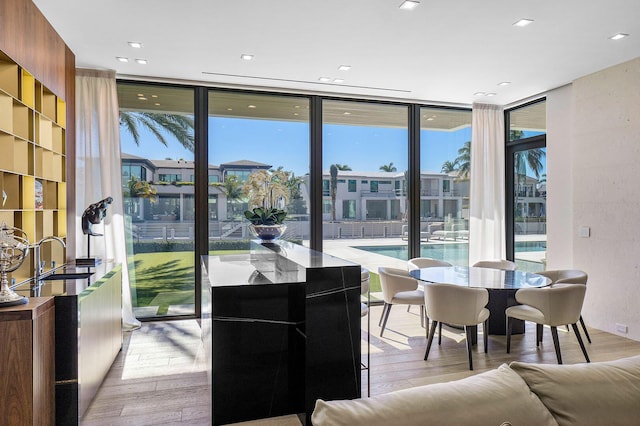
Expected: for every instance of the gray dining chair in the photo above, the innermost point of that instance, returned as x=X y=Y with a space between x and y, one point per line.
x=553 y=306
x=459 y=305
x=504 y=264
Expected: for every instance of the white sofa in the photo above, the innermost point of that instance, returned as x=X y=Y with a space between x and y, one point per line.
x=599 y=393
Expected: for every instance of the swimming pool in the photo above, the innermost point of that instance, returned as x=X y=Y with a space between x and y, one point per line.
x=454 y=253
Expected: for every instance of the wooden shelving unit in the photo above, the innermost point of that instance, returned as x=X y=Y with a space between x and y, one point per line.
x=32 y=162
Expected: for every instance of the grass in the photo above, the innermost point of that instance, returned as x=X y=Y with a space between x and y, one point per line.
x=167 y=278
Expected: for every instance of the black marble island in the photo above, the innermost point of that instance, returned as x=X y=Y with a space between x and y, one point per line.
x=281 y=327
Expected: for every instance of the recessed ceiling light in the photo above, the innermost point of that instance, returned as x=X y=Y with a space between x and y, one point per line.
x=430 y=119
x=619 y=36
x=346 y=113
x=141 y=61
x=142 y=99
x=504 y=83
x=154 y=96
x=490 y=94
x=325 y=79
x=121 y=59
x=140 y=94
x=251 y=106
x=409 y=4
x=479 y=94
x=135 y=44
x=522 y=22
x=157 y=104
x=338 y=80
x=344 y=67
x=229 y=109
x=246 y=57
x=295 y=113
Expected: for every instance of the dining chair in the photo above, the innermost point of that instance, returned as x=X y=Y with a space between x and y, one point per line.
x=553 y=306
x=507 y=265
x=425 y=262
x=459 y=305
x=568 y=276
x=399 y=288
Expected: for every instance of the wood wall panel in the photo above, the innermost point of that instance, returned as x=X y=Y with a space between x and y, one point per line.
x=30 y=40
x=70 y=86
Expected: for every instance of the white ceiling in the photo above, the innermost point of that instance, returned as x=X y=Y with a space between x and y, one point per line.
x=444 y=51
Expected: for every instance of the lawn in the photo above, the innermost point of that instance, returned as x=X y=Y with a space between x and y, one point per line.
x=167 y=278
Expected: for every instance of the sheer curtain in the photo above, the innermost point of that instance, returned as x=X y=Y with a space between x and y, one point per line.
x=487 y=204
x=99 y=173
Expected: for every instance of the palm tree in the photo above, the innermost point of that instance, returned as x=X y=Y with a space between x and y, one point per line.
x=333 y=186
x=388 y=168
x=179 y=126
x=138 y=189
x=449 y=166
x=464 y=161
x=232 y=188
x=342 y=167
x=333 y=189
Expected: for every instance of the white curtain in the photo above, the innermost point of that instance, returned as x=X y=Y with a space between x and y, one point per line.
x=487 y=204
x=98 y=173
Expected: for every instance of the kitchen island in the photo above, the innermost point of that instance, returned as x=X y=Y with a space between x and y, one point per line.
x=281 y=328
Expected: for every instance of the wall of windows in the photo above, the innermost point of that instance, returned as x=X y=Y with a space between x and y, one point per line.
x=191 y=184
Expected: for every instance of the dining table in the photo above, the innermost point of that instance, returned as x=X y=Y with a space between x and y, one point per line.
x=501 y=285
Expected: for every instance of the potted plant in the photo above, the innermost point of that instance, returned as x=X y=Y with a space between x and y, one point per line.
x=267 y=193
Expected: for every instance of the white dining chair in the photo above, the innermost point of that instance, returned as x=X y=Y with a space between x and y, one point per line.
x=459 y=305
x=399 y=288
x=568 y=276
x=425 y=262
x=553 y=306
x=503 y=264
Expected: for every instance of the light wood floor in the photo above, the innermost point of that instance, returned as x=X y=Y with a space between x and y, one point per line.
x=159 y=377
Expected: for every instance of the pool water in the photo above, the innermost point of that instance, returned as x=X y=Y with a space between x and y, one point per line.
x=454 y=253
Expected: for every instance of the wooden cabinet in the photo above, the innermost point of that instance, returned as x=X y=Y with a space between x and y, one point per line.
x=27 y=379
x=32 y=162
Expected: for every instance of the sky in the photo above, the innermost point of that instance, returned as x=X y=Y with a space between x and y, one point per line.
x=282 y=143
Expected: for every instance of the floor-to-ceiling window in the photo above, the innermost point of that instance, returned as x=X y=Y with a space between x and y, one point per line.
x=445 y=158
x=251 y=133
x=354 y=152
x=527 y=185
x=364 y=174
x=157 y=144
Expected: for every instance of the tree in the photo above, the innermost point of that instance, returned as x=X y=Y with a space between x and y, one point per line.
x=463 y=161
x=138 y=189
x=531 y=159
x=232 y=188
x=333 y=189
x=388 y=168
x=342 y=167
x=449 y=166
x=177 y=125
x=296 y=204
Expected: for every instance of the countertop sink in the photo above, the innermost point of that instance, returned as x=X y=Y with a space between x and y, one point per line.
x=67 y=276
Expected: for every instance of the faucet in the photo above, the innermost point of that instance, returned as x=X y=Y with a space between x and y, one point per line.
x=38 y=265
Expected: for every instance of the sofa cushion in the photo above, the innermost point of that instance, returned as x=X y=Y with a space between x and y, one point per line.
x=489 y=398
x=599 y=393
